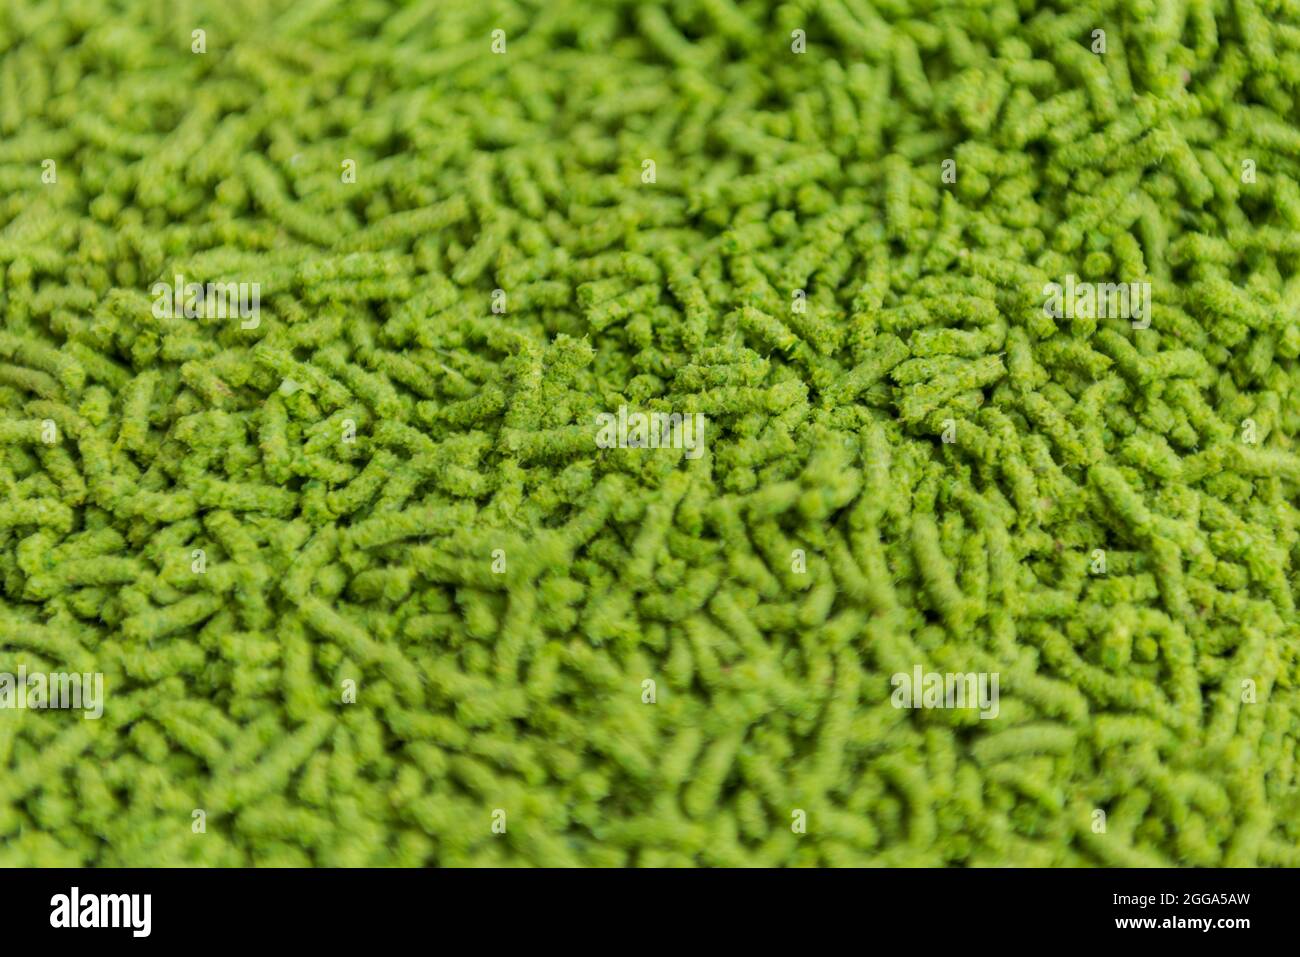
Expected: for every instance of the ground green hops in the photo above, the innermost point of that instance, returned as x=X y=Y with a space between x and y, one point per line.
x=363 y=587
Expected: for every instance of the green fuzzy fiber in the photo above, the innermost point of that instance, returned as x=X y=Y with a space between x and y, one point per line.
x=365 y=579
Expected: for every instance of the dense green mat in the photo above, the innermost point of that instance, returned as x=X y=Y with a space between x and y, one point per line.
x=365 y=588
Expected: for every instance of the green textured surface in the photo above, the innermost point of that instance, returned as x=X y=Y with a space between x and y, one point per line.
x=1171 y=448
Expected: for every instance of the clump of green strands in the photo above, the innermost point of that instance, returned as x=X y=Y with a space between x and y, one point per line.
x=1161 y=692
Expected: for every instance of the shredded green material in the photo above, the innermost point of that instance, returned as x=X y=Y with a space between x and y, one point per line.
x=992 y=312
